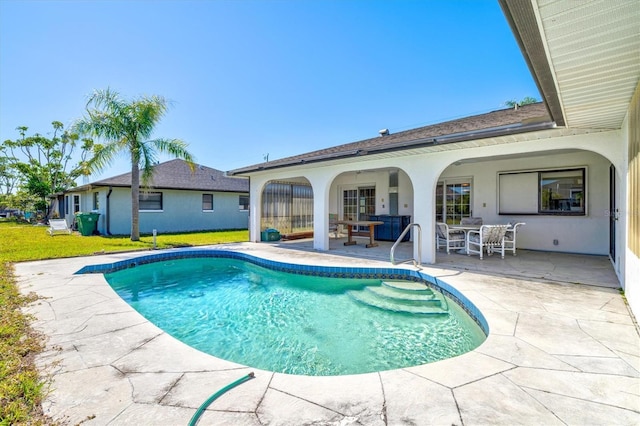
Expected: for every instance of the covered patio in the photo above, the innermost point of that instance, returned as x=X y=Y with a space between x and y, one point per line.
x=545 y=266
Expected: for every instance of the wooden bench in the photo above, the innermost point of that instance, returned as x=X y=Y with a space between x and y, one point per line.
x=297 y=235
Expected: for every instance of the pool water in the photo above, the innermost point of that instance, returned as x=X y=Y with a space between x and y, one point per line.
x=296 y=324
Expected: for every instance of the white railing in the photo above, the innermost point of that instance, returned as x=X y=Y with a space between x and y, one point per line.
x=416 y=262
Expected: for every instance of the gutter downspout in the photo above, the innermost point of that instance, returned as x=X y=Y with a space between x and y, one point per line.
x=107 y=219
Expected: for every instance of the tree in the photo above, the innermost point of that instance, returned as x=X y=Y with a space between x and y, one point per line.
x=126 y=126
x=9 y=179
x=39 y=166
x=525 y=101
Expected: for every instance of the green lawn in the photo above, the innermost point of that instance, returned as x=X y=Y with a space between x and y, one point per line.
x=22 y=389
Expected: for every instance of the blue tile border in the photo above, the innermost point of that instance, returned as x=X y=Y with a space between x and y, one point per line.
x=312 y=270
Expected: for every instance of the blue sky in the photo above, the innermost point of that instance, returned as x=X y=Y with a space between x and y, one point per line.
x=248 y=78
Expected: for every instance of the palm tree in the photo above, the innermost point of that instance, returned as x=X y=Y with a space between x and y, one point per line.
x=126 y=127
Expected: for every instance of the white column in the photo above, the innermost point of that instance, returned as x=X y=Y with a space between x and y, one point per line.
x=424 y=180
x=255 y=207
x=321 y=185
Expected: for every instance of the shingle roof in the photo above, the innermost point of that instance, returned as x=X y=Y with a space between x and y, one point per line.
x=500 y=122
x=176 y=174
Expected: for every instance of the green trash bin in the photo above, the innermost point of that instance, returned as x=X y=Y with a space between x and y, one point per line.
x=87 y=223
x=270 y=235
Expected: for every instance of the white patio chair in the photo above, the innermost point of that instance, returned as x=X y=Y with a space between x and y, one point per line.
x=333 y=225
x=449 y=238
x=489 y=237
x=510 y=236
x=58 y=226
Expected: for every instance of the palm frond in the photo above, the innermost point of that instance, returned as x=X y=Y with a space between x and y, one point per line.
x=176 y=148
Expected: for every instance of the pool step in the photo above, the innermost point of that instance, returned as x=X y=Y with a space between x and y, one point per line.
x=421 y=296
x=410 y=286
x=401 y=296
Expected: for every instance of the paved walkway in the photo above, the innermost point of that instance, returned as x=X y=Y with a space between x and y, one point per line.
x=557 y=353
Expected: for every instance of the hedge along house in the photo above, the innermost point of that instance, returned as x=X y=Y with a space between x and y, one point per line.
x=569 y=167
x=178 y=200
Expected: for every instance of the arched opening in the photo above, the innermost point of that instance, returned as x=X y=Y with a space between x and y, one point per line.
x=563 y=196
x=383 y=194
x=287 y=206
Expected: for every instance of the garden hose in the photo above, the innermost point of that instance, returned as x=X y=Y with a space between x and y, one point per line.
x=213 y=397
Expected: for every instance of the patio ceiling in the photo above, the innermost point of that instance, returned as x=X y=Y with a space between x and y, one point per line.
x=584 y=55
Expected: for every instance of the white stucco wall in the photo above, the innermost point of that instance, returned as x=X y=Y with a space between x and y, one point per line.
x=378 y=179
x=587 y=234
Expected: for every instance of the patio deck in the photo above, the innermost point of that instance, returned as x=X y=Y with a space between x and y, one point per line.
x=539 y=265
x=557 y=353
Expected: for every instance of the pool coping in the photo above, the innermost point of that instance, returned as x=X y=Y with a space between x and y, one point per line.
x=555 y=354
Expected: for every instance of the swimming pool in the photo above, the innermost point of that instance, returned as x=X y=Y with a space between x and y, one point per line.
x=298 y=319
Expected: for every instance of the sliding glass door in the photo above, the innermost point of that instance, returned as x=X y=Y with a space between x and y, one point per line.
x=359 y=203
x=453 y=200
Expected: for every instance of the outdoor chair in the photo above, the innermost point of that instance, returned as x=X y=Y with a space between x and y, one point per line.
x=58 y=226
x=449 y=238
x=471 y=221
x=489 y=237
x=510 y=236
x=333 y=225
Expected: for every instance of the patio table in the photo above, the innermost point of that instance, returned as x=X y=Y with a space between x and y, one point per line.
x=351 y=223
x=465 y=229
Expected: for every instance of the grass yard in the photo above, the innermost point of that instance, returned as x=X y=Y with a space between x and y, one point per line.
x=22 y=389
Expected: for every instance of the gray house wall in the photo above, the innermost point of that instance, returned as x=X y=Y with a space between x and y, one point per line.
x=181 y=212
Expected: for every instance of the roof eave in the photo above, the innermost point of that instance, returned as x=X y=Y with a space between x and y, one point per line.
x=404 y=145
x=522 y=19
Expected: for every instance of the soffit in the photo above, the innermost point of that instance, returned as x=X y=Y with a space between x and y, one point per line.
x=593 y=50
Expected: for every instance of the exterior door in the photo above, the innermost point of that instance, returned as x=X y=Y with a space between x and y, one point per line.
x=359 y=204
x=453 y=201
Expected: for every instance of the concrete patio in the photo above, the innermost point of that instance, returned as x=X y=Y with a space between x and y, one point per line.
x=562 y=349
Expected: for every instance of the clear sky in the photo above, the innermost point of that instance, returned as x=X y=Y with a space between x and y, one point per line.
x=249 y=78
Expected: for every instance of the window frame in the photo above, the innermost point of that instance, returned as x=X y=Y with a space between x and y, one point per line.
x=203 y=202
x=244 y=207
x=142 y=200
x=568 y=201
x=579 y=172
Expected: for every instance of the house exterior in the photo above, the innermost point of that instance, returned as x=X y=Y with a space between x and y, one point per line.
x=178 y=200
x=569 y=167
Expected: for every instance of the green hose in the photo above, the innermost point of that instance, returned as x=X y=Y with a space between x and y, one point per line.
x=213 y=397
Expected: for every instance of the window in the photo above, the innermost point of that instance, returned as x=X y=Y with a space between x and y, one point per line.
x=359 y=204
x=453 y=200
x=76 y=204
x=207 y=202
x=243 y=201
x=150 y=201
x=548 y=192
x=96 y=200
x=562 y=192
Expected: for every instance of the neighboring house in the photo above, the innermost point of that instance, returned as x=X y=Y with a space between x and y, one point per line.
x=569 y=167
x=178 y=200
